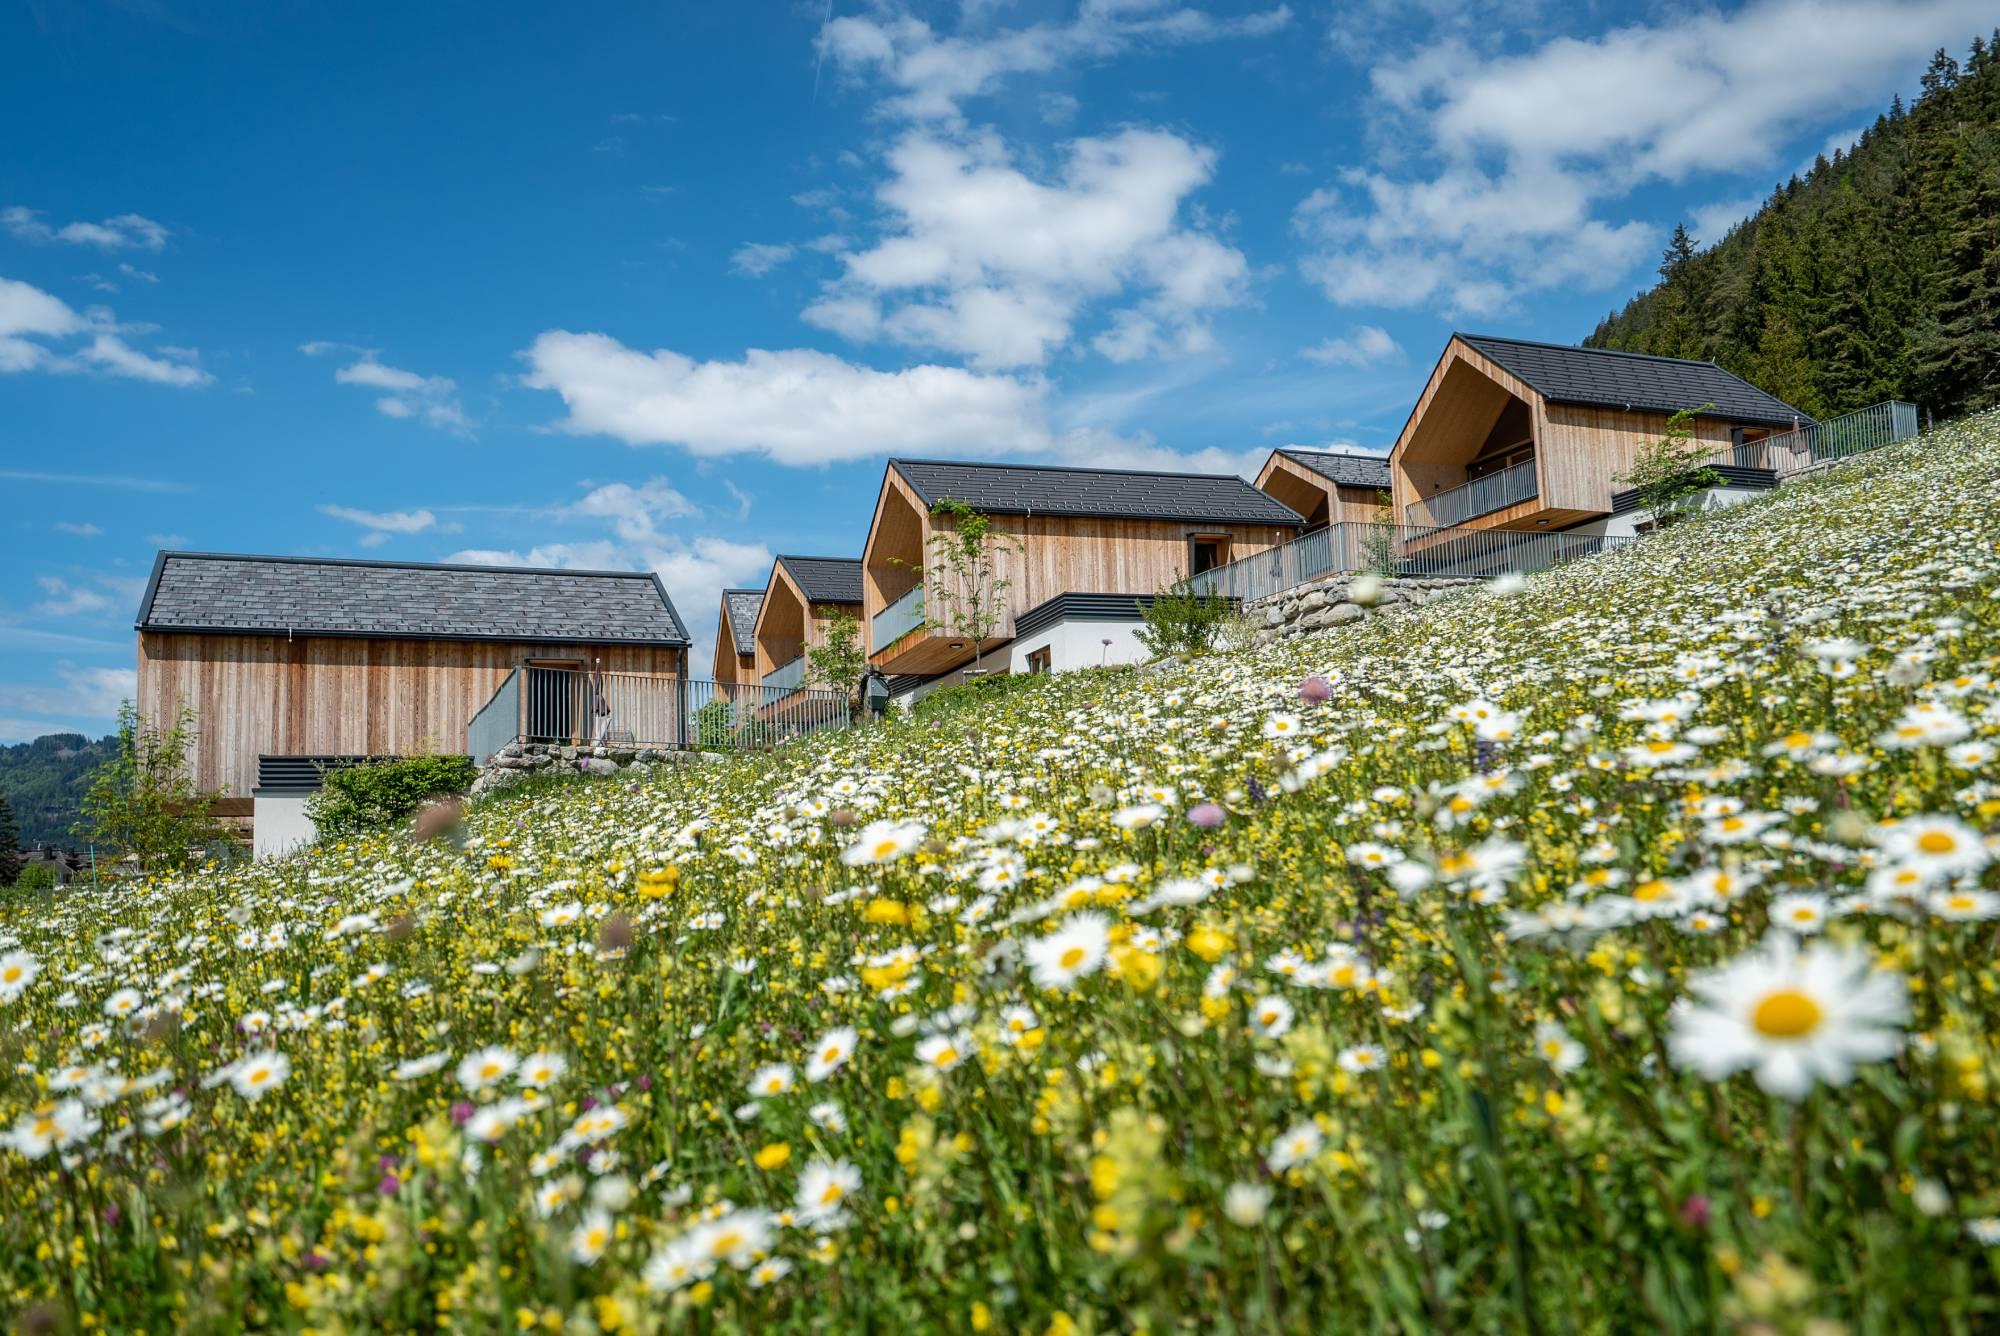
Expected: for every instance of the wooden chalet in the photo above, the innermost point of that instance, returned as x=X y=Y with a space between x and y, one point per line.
x=736 y=637
x=1329 y=486
x=800 y=601
x=1510 y=434
x=291 y=657
x=1057 y=531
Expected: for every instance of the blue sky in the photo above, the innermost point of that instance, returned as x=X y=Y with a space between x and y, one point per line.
x=661 y=285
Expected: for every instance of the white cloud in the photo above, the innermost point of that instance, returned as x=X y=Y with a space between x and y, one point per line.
x=432 y=399
x=694 y=572
x=68 y=600
x=34 y=325
x=635 y=512
x=1711 y=222
x=382 y=525
x=1367 y=346
x=128 y=231
x=754 y=259
x=934 y=73
x=84 y=693
x=797 y=406
x=986 y=262
x=84 y=530
x=1519 y=157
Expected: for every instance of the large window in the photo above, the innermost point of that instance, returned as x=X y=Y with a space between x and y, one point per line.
x=1039 y=660
x=1206 y=551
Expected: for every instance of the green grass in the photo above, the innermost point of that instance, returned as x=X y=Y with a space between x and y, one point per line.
x=1404 y=1011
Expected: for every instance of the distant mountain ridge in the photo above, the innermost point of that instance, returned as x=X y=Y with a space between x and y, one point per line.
x=1876 y=276
x=45 y=781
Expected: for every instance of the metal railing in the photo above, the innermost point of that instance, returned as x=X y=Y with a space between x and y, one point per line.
x=897 y=620
x=788 y=676
x=1814 y=444
x=1481 y=496
x=577 y=707
x=1398 y=549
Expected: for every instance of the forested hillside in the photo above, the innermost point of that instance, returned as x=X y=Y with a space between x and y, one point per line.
x=44 y=782
x=1876 y=276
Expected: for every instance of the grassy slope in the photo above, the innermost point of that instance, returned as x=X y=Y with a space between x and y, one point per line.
x=1462 y=1181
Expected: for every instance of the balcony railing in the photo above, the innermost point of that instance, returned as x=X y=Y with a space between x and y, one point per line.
x=1481 y=496
x=788 y=676
x=897 y=620
x=1813 y=444
x=1397 y=549
x=645 y=711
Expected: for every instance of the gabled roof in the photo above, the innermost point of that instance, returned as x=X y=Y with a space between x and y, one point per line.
x=1346 y=468
x=1606 y=378
x=229 y=594
x=1041 y=489
x=743 y=605
x=825 y=579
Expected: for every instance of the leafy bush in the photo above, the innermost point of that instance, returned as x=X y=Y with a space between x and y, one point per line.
x=367 y=797
x=143 y=802
x=36 y=877
x=714 y=726
x=974 y=694
x=1180 y=621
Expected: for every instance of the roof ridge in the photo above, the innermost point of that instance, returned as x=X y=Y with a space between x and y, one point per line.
x=800 y=556
x=1607 y=352
x=171 y=554
x=1069 y=468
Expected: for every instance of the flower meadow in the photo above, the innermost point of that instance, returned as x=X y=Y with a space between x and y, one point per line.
x=1609 y=950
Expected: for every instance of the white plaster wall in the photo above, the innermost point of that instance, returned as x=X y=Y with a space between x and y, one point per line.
x=1080 y=644
x=1715 y=498
x=281 y=823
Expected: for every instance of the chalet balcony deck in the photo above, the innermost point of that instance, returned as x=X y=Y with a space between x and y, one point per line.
x=646 y=711
x=1481 y=496
x=789 y=676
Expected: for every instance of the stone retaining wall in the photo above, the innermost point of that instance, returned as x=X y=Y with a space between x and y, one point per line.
x=1340 y=599
x=519 y=759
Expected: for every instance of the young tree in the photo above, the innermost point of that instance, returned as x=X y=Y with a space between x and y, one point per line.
x=964 y=573
x=11 y=860
x=839 y=663
x=143 y=801
x=1181 y=621
x=1669 y=473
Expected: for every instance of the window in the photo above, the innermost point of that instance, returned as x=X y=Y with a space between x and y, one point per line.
x=1206 y=551
x=1039 y=660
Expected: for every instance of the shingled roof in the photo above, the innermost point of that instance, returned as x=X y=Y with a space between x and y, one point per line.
x=1040 y=489
x=825 y=579
x=1343 y=467
x=743 y=605
x=235 y=595
x=1606 y=378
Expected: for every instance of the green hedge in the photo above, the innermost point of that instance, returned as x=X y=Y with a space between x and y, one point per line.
x=367 y=797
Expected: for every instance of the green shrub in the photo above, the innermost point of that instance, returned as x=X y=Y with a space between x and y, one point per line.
x=143 y=801
x=974 y=693
x=366 y=797
x=1180 y=621
x=36 y=877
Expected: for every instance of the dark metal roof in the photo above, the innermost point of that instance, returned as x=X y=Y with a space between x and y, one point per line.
x=1607 y=378
x=1342 y=467
x=743 y=605
x=1043 y=489
x=826 y=579
x=231 y=594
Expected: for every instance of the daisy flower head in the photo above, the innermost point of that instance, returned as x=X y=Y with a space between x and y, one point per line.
x=1941 y=845
x=1363 y=1058
x=260 y=1072
x=942 y=1052
x=538 y=1071
x=883 y=842
x=1557 y=1048
x=1075 y=949
x=831 y=1052
x=1792 y=1016
x=485 y=1067
x=773 y=1078
x=1294 y=1146
x=824 y=1187
x=17 y=970
x=591 y=1237
x=1271 y=1016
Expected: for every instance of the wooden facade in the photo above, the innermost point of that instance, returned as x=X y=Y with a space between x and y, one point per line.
x=1475 y=418
x=1319 y=498
x=340 y=695
x=1039 y=556
x=790 y=624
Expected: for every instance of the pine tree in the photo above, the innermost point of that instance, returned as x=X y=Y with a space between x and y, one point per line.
x=11 y=861
x=1875 y=276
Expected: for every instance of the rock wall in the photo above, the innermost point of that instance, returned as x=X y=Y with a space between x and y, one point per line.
x=519 y=759
x=1340 y=599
